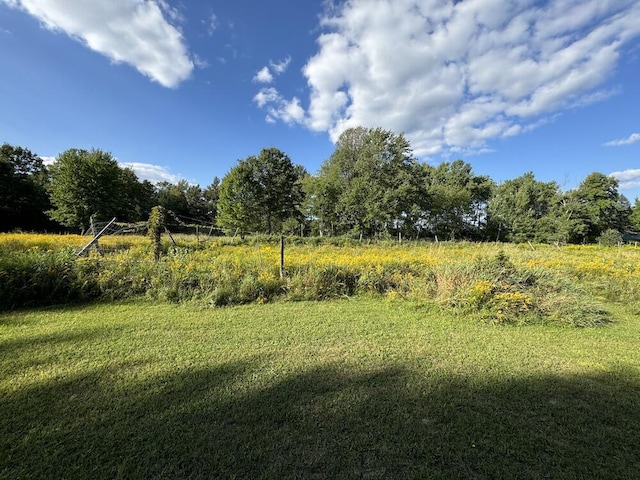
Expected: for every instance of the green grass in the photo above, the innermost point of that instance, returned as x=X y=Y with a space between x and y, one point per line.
x=361 y=388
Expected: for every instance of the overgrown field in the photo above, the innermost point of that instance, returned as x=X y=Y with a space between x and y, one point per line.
x=361 y=388
x=497 y=283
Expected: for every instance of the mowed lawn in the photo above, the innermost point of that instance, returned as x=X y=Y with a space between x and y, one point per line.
x=360 y=388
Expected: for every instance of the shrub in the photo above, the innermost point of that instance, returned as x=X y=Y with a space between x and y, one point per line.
x=610 y=238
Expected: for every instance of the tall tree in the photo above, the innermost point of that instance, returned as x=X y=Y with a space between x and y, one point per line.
x=86 y=183
x=23 y=196
x=634 y=217
x=211 y=196
x=238 y=204
x=459 y=199
x=279 y=187
x=137 y=197
x=173 y=197
x=601 y=207
x=563 y=223
x=370 y=185
x=261 y=193
x=185 y=200
x=518 y=205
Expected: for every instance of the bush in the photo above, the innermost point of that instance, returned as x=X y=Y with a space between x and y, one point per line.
x=610 y=238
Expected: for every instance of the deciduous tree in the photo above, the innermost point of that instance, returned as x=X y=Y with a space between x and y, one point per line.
x=23 y=196
x=370 y=185
x=458 y=200
x=86 y=183
x=260 y=193
x=517 y=206
x=601 y=206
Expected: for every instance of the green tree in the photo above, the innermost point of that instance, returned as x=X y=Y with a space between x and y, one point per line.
x=261 y=193
x=23 y=195
x=459 y=200
x=173 y=197
x=370 y=185
x=86 y=183
x=325 y=204
x=319 y=207
x=188 y=202
x=239 y=202
x=211 y=196
x=563 y=224
x=279 y=187
x=600 y=206
x=518 y=207
x=634 y=217
x=137 y=197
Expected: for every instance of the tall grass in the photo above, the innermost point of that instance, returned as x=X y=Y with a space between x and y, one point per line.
x=495 y=283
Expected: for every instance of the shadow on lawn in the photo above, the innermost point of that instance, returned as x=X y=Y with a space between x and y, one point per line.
x=323 y=423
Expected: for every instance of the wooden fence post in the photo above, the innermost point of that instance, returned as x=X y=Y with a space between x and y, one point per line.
x=281 y=256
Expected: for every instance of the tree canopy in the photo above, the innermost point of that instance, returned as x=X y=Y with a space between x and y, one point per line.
x=23 y=194
x=89 y=183
x=260 y=193
x=370 y=186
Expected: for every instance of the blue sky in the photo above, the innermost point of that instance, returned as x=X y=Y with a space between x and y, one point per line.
x=181 y=89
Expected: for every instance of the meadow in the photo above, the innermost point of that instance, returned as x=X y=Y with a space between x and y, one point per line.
x=496 y=283
x=372 y=360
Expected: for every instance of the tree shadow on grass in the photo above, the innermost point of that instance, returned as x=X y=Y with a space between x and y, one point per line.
x=330 y=422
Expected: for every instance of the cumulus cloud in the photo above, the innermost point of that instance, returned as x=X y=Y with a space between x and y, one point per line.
x=633 y=138
x=152 y=173
x=628 y=179
x=263 y=76
x=454 y=75
x=278 y=107
x=267 y=73
x=136 y=32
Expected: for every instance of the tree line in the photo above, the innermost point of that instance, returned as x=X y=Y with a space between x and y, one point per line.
x=82 y=184
x=371 y=186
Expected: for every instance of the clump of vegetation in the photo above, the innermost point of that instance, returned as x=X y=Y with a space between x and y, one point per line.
x=498 y=291
x=610 y=238
x=157 y=222
x=42 y=277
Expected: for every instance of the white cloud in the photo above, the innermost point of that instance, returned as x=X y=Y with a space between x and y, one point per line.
x=263 y=76
x=153 y=173
x=628 y=178
x=280 y=67
x=279 y=108
x=135 y=32
x=200 y=62
x=267 y=73
x=454 y=75
x=633 y=138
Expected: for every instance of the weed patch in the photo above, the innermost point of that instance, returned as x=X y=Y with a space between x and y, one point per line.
x=503 y=284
